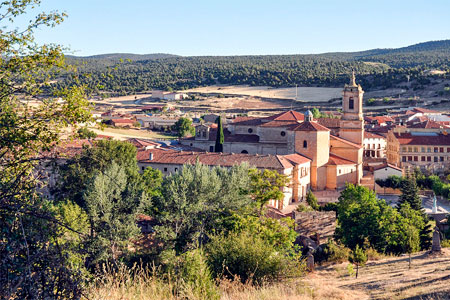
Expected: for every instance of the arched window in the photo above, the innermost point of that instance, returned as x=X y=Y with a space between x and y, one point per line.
x=305 y=144
x=250 y=130
x=244 y=151
x=351 y=103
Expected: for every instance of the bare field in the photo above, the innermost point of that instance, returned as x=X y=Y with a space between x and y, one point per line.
x=124 y=134
x=307 y=94
x=391 y=279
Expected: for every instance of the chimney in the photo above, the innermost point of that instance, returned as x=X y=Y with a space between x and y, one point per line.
x=150 y=156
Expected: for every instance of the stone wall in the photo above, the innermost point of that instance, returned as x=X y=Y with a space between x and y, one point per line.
x=310 y=223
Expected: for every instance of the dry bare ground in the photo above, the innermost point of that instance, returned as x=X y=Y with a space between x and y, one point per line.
x=310 y=94
x=428 y=278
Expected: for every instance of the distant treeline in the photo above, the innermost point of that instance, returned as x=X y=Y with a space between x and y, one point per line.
x=375 y=68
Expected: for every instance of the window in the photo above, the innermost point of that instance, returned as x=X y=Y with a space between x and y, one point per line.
x=441 y=149
x=211 y=148
x=436 y=149
x=204 y=133
x=409 y=158
x=283 y=133
x=415 y=149
x=165 y=169
x=422 y=149
x=422 y=158
x=191 y=144
x=441 y=158
x=448 y=149
x=244 y=151
x=409 y=149
x=415 y=158
x=340 y=171
x=351 y=103
x=403 y=158
x=435 y=159
x=250 y=130
x=404 y=149
x=176 y=169
x=428 y=158
x=143 y=168
x=305 y=144
x=429 y=149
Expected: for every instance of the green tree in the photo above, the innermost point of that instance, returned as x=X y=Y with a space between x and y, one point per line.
x=152 y=180
x=316 y=113
x=312 y=200
x=266 y=185
x=411 y=242
x=79 y=170
x=195 y=199
x=85 y=133
x=220 y=138
x=410 y=194
x=112 y=203
x=183 y=127
x=32 y=263
x=358 y=257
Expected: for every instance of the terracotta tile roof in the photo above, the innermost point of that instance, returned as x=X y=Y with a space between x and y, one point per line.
x=386 y=165
x=168 y=156
x=435 y=140
x=310 y=126
x=329 y=122
x=140 y=143
x=297 y=158
x=427 y=124
x=425 y=110
x=370 y=135
x=378 y=119
x=122 y=121
x=345 y=141
x=337 y=160
x=290 y=115
x=277 y=123
x=247 y=121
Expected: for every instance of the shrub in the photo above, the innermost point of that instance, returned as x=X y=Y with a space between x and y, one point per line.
x=336 y=252
x=249 y=258
x=304 y=208
x=445 y=244
x=312 y=201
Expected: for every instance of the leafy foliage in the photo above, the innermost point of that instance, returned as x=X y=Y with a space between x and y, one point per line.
x=220 y=138
x=267 y=185
x=183 y=126
x=312 y=200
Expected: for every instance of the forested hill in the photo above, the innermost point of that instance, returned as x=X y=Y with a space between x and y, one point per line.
x=130 y=73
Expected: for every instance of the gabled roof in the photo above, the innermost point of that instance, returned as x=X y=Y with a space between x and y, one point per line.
x=407 y=138
x=386 y=165
x=370 y=135
x=140 y=143
x=290 y=115
x=122 y=121
x=329 y=122
x=297 y=158
x=310 y=126
x=427 y=124
x=425 y=110
x=337 y=160
x=169 y=156
x=345 y=141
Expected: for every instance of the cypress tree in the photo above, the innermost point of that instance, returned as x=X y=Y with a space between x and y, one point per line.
x=410 y=194
x=220 y=138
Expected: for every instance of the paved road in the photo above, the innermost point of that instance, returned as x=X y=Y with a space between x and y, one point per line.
x=427 y=202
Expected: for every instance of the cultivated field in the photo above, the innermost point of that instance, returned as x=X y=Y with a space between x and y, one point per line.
x=306 y=94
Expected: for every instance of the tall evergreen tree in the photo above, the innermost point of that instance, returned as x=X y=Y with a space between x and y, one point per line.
x=220 y=138
x=410 y=194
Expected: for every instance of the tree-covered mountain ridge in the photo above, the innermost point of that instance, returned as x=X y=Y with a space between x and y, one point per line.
x=125 y=73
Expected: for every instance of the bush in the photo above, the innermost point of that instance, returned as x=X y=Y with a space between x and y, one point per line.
x=304 y=208
x=336 y=252
x=312 y=201
x=445 y=244
x=249 y=258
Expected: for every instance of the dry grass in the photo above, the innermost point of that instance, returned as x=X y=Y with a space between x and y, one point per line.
x=391 y=279
x=123 y=134
x=387 y=278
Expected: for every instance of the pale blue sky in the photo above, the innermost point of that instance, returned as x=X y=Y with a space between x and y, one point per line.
x=238 y=27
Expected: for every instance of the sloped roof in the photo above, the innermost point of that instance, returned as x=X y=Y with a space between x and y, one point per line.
x=290 y=115
x=425 y=110
x=431 y=140
x=310 y=126
x=141 y=143
x=297 y=158
x=329 y=122
x=169 y=156
x=371 y=135
x=345 y=141
x=427 y=124
x=386 y=165
x=337 y=160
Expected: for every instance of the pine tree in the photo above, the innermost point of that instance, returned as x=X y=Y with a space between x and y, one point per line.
x=358 y=257
x=220 y=138
x=410 y=194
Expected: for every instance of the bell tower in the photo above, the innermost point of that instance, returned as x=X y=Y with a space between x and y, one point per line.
x=352 y=121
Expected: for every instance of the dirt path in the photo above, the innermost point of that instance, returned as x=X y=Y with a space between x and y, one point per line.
x=391 y=279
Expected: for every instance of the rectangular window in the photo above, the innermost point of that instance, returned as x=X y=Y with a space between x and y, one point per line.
x=403 y=158
x=448 y=149
x=176 y=169
x=143 y=168
x=422 y=158
x=441 y=149
x=351 y=103
x=409 y=149
x=429 y=149
x=415 y=158
x=428 y=158
x=404 y=149
x=436 y=149
x=435 y=159
x=211 y=148
x=409 y=158
x=422 y=149
x=165 y=169
x=442 y=158
x=415 y=149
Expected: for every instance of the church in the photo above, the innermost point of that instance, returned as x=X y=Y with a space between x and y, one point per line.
x=335 y=151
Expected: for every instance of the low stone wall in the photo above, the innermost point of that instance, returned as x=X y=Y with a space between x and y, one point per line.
x=310 y=223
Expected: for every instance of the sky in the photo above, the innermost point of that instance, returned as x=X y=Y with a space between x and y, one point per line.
x=243 y=27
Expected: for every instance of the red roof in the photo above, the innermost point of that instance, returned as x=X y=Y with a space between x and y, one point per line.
x=337 y=160
x=370 y=135
x=427 y=124
x=345 y=141
x=310 y=126
x=122 y=121
x=169 y=156
x=290 y=115
x=430 y=140
x=329 y=122
x=425 y=110
x=379 y=119
x=140 y=143
x=386 y=165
